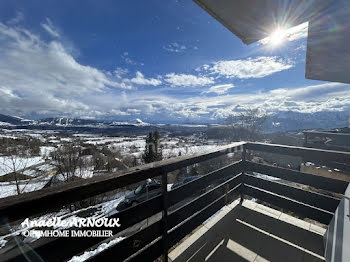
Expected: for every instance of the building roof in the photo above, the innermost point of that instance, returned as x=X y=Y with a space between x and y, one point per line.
x=328 y=51
x=253 y=20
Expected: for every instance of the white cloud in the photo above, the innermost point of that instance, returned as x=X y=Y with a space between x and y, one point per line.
x=162 y=107
x=311 y=92
x=187 y=80
x=43 y=77
x=17 y=19
x=141 y=80
x=309 y=99
x=120 y=72
x=175 y=47
x=219 y=89
x=125 y=56
x=48 y=26
x=250 y=68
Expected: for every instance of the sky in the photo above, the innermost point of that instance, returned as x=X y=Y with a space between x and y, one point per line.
x=160 y=61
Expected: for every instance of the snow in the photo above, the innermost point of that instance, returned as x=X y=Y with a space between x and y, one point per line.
x=94 y=252
x=6 y=164
x=6 y=136
x=38 y=136
x=172 y=152
x=85 y=135
x=66 y=139
x=45 y=168
x=10 y=189
x=5 y=124
x=309 y=164
x=266 y=176
x=135 y=122
x=46 y=150
x=103 y=140
x=2 y=242
x=127 y=145
x=86 y=173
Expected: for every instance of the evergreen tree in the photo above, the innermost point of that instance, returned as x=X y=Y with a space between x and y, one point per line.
x=153 y=151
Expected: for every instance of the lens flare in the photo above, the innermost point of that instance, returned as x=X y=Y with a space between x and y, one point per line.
x=277 y=37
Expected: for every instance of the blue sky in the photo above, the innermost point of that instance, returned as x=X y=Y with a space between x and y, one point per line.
x=161 y=61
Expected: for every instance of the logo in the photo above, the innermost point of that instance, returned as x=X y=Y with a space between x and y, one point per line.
x=73 y=227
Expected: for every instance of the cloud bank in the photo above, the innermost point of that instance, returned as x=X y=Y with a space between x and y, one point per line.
x=44 y=78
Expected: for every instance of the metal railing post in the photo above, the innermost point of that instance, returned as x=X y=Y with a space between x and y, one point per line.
x=244 y=153
x=165 y=216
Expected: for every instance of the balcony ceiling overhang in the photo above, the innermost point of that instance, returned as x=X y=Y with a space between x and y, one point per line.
x=328 y=49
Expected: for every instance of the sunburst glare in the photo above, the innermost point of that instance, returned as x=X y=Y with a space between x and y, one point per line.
x=277 y=37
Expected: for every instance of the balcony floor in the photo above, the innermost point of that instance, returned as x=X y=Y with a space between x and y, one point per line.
x=252 y=232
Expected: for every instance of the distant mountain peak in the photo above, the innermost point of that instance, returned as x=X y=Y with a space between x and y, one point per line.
x=138 y=121
x=133 y=122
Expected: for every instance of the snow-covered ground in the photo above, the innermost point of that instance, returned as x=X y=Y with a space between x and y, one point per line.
x=88 y=254
x=46 y=150
x=9 y=164
x=185 y=150
x=133 y=146
x=9 y=188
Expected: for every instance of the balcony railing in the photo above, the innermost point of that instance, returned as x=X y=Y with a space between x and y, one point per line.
x=239 y=179
x=327 y=140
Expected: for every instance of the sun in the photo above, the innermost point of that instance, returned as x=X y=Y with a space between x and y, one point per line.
x=277 y=37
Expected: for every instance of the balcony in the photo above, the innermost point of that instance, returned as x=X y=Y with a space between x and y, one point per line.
x=270 y=213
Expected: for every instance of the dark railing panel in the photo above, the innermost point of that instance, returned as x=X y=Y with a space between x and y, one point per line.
x=195 y=220
x=307 y=153
x=155 y=239
x=42 y=201
x=327 y=147
x=333 y=135
x=150 y=253
x=130 y=245
x=165 y=205
x=188 y=189
x=202 y=201
x=334 y=164
x=307 y=197
x=299 y=208
x=45 y=247
x=126 y=247
x=153 y=250
x=315 y=181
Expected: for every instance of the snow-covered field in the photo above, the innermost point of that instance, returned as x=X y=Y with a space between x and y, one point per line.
x=9 y=188
x=127 y=146
x=11 y=164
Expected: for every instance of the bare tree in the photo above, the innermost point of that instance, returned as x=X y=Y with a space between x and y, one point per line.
x=248 y=124
x=15 y=160
x=72 y=164
x=253 y=119
x=69 y=161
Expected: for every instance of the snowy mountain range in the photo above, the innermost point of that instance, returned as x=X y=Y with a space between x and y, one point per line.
x=63 y=121
x=278 y=122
